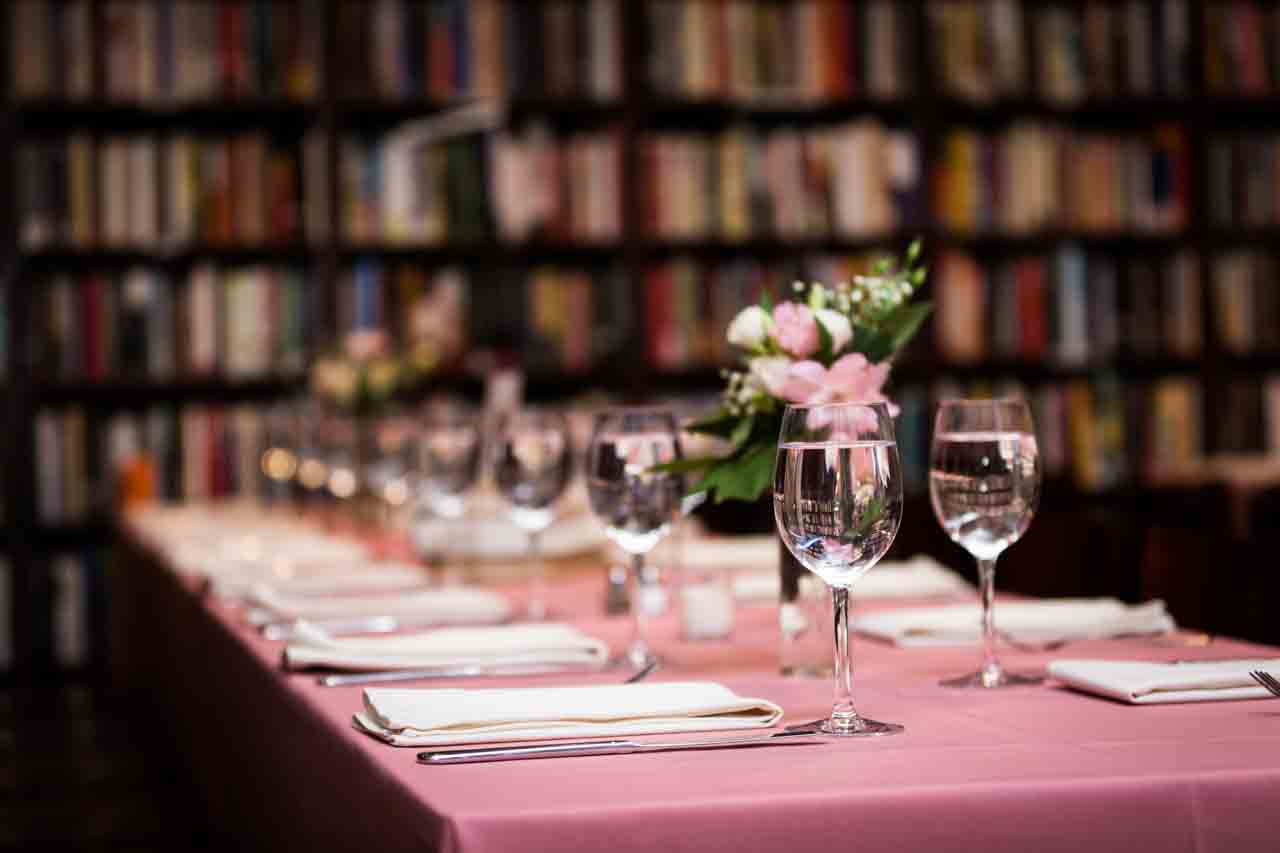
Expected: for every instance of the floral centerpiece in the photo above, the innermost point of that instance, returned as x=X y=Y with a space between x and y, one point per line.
x=827 y=344
x=364 y=376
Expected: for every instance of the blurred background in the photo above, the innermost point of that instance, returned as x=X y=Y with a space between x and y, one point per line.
x=201 y=198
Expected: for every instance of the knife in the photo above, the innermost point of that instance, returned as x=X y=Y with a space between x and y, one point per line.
x=608 y=747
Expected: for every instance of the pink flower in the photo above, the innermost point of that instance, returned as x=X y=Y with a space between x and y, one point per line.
x=852 y=379
x=365 y=344
x=795 y=329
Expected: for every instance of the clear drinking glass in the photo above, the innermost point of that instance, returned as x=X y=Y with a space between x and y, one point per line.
x=984 y=484
x=533 y=461
x=447 y=463
x=837 y=501
x=636 y=504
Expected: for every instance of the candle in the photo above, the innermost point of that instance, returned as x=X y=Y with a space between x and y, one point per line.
x=706 y=610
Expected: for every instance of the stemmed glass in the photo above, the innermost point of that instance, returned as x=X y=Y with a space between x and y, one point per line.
x=837 y=501
x=447 y=462
x=984 y=484
x=532 y=464
x=636 y=503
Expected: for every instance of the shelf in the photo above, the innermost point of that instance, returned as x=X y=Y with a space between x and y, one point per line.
x=92 y=532
x=786 y=246
x=486 y=252
x=183 y=255
x=125 y=394
x=203 y=115
x=684 y=112
x=1122 y=367
x=1120 y=111
x=359 y=112
x=1042 y=241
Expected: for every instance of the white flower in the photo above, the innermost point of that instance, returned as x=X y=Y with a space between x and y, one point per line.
x=770 y=373
x=750 y=328
x=838 y=326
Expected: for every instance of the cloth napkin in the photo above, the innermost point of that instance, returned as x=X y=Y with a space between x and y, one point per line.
x=919 y=577
x=1044 y=621
x=443 y=606
x=498 y=539
x=1150 y=683
x=319 y=579
x=550 y=644
x=439 y=717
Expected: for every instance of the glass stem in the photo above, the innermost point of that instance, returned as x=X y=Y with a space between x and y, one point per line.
x=638 y=653
x=537 y=578
x=987 y=583
x=843 y=716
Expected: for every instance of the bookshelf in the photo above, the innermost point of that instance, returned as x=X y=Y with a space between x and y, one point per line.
x=623 y=80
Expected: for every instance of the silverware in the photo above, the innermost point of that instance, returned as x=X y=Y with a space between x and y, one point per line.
x=1267 y=680
x=607 y=747
x=348 y=679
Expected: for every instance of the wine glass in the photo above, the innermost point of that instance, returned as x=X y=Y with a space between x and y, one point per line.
x=984 y=484
x=532 y=464
x=279 y=460
x=636 y=503
x=837 y=501
x=388 y=471
x=313 y=470
x=447 y=461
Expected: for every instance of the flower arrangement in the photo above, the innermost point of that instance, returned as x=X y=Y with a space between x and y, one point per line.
x=365 y=375
x=829 y=344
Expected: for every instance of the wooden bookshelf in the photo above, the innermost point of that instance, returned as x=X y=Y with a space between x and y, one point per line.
x=924 y=106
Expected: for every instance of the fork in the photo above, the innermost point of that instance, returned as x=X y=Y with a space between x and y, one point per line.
x=1267 y=680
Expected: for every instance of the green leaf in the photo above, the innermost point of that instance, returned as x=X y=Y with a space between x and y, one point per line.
x=685 y=466
x=913 y=251
x=874 y=344
x=918 y=275
x=875 y=509
x=720 y=424
x=902 y=324
x=742 y=431
x=744 y=476
x=882 y=265
x=766 y=300
x=825 y=343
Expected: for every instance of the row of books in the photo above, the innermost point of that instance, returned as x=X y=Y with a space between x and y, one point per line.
x=517 y=187
x=1070 y=308
x=159 y=51
x=751 y=50
x=1243 y=180
x=192 y=453
x=1246 y=301
x=1241 y=53
x=241 y=190
x=853 y=180
x=1137 y=49
x=688 y=305
x=449 y=49
x=551 y=319
x=239 y=323
x=78 y=602
x=1036 y=176
x=1102 y=433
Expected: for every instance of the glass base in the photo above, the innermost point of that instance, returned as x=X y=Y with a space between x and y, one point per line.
x=858 y=727
x=993 y=678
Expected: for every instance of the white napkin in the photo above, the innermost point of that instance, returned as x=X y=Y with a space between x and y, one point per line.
x=739 y=553
x=920 y=576
x=320 y=579
x=1044 y=621
x=443 y=606
x=499 y=539
x=439 y=717
x=550 y=644
x=1150 y=683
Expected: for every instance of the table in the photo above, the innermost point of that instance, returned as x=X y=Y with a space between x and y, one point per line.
x=1032 y=769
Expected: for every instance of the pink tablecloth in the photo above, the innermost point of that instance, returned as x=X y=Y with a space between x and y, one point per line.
x=1041 y=769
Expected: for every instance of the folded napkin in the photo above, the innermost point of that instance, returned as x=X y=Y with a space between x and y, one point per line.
x=439 y=717
x=1150 y=683
x=443 y=606
x=499 y=539
x=1044 y=621
x=739 y=553
x=918 y=577
x=319 y=579
x=549 y=644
